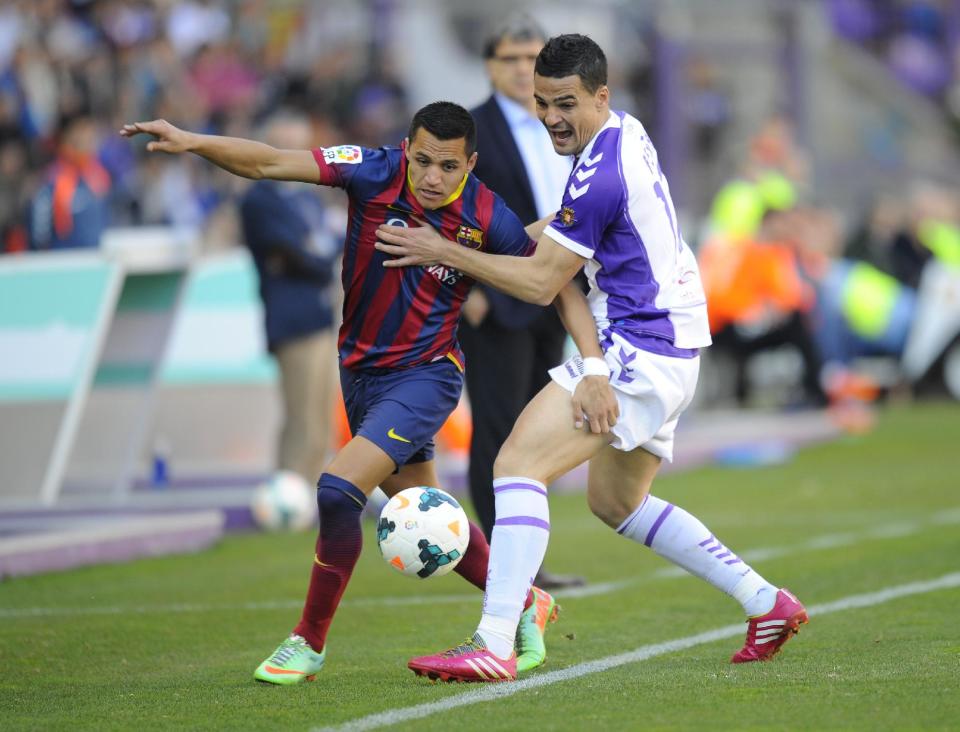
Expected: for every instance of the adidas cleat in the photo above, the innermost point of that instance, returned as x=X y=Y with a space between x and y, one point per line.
x=470 y=661
x=531 y=649
x=766 y=634
x=293 y=662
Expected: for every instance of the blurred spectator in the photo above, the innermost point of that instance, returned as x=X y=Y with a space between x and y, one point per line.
x=13 y=196
x=70 y=209
x=774 y=172
x=759 y=298
x=708 y=107
x=867 y=300
x=295 y=250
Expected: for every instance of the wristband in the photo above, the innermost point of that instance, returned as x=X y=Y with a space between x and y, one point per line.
x=594 y=366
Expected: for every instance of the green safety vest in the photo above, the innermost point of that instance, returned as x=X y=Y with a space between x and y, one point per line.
x=942 y=239
x=739 y=206
x=868 y=299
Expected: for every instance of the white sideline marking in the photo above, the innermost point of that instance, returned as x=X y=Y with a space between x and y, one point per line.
x=489 y=692
x=894 y=530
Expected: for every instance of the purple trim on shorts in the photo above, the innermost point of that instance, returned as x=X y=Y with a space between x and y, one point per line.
x=522 y=521
x=716 y=548
x=656 y=525
x=706 y=541
x=733 y=561
x=520 y=487
x=725 y=554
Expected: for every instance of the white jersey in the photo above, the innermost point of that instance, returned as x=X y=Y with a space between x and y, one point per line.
x=617 y=212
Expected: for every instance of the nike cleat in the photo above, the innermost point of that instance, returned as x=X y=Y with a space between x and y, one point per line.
x=470 y=661
x=293 y=662
x=531 y=650
x=766 y=634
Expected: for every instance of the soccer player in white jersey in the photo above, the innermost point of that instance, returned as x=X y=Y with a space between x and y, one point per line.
x=618 y=220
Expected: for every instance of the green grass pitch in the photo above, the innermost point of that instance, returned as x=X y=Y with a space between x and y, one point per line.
x=171 y=643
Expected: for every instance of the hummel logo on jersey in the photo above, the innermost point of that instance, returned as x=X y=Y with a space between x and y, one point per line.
x=392 y=434
x=590 y=162
x=583 y=174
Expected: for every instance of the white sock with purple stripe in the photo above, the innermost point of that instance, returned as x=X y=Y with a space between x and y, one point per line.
x=681 y=538
x=517 y=545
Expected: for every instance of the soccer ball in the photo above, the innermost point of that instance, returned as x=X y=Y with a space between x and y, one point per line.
x=284 y=503
x=423 y=532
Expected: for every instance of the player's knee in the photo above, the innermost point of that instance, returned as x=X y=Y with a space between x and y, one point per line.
x=607 y=508
x=510 y=460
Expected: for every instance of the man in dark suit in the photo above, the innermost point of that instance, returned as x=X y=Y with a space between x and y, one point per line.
x=510 y=344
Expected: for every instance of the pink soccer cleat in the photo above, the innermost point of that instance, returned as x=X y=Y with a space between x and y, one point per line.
x=766 y=634
x=470 y=661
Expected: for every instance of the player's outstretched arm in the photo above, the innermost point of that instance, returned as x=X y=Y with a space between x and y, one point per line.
x=246 y=158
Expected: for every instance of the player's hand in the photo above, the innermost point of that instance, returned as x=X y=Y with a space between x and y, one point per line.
x=169 y=139
x=595 y=403
x=420 y=245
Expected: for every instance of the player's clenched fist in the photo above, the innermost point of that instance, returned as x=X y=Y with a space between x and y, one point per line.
x=169 y=139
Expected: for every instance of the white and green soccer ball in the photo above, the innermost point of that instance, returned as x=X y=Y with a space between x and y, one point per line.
x=285 y=502
x=423 y=532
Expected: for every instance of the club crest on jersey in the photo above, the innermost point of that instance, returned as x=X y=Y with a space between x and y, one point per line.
x=566 y=216
x=469 y=237
x=344 y=154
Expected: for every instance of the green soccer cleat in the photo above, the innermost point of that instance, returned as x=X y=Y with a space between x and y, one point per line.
x=293 y=662
x=531 y=650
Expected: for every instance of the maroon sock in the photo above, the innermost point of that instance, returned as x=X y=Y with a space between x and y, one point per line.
x=473 y=566
x=338 y=547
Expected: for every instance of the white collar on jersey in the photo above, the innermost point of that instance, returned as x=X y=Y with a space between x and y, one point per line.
x=612 y=121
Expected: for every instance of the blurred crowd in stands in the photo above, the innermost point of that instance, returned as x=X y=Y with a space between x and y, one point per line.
x=918 y=40
x=71 y=71
x=778 y=269
x=839 y=287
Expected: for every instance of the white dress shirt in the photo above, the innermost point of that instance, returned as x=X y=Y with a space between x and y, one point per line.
x=546 y=170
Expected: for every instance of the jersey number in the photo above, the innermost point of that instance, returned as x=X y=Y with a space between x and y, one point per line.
x=671 y=214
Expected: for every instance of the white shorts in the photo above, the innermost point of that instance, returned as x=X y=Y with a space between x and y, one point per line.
x=652 y=391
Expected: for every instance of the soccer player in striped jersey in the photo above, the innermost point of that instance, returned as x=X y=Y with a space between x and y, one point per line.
x=617 y=219
x=401 y=367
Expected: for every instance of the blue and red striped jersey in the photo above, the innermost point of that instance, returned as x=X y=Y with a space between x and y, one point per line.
x=402 y=317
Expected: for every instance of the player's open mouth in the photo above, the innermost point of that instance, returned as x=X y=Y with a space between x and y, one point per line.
x=561 y=136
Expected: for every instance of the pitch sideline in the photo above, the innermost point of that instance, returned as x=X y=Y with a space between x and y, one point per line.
x=895 y=530
x=496 y=691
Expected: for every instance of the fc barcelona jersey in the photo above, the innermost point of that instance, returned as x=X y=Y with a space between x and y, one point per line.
x=402 y=317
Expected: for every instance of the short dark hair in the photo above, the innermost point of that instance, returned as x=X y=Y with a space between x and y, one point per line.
x=573 y=54
x=518 y=27
x=446 y=121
